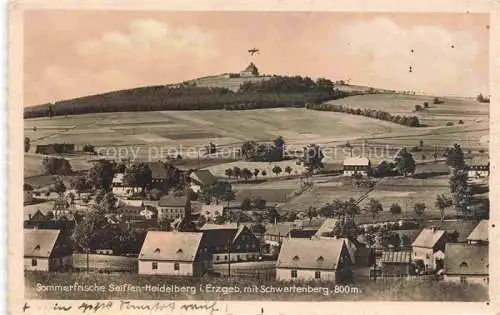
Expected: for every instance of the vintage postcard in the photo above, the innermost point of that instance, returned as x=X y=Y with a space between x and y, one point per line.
x=230 y=158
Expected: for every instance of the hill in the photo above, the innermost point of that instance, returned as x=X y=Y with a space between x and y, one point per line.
x=244 y=90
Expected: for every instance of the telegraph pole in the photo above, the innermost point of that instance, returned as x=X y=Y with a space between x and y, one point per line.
x=229 y=261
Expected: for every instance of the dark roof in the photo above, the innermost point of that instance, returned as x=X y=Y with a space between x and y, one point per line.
x=466 y=259
x=428 y=238
x=463 y=228
x=312 y=254
x=396 y=257
x=172 y=201
x=172 y=246
x=302 y=233
x=158 y=170
x=279 y=229
x=204 y=177
x=39 y=243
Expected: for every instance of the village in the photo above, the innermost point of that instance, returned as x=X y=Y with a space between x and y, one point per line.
x=154 y=218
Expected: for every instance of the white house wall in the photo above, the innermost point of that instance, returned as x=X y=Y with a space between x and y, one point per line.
x=42 y=264
x=165 y=268
x=283 y=274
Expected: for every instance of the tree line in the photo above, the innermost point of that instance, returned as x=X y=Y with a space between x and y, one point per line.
x=411 y=121
x=279 y=91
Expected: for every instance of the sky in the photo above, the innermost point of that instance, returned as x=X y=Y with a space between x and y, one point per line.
x=70 y=54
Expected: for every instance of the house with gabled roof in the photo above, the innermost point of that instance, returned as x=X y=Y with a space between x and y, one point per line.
x=327 y=227
x=47 y=250
x=356 y=165
x=429 y=242
x=171 y=207
x=231 y=241
x=200 y=179
x=478 y=167
x=480 y=233
x=466 y=263
x=174 y=253
x=319 y=260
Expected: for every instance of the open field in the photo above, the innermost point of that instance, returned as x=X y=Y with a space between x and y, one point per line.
x=366 y=290
x=452 y=109
x=154 y=135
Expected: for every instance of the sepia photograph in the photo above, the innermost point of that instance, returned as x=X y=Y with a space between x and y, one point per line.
x=255 y=156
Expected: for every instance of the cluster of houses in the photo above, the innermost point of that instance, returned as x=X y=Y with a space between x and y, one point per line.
x=301 y=253
x=476 y=167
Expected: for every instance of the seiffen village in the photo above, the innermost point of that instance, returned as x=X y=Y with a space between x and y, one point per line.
x=254 y=186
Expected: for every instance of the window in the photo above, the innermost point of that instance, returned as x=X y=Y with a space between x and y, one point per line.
x=463 y=265
x=154 y=265
x=321 y=259
x=463 y=280
x=225 y=257
x=295 y=257
x=37 y=247
x=176 y=266
x=34 y=262
x=157 y=251
x=179 y=251
x=294 y=273
x=217 y=258
x=317 y=275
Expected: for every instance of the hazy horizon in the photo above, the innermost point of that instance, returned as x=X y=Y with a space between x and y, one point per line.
x=79 y=53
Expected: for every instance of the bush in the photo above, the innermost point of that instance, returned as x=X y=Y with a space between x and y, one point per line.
x=460 y=122
x=88 y=148
x=426 y=104
x=418 y=108
x=449 y=123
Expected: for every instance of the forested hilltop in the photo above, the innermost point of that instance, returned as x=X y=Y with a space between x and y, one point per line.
x=276 y=91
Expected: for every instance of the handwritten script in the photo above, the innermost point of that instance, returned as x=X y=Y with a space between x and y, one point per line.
x=92 y=307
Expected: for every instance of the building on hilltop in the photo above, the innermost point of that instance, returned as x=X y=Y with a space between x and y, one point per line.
x=250 y=71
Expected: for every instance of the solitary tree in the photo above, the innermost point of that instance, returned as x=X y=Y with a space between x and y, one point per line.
x=264 y=173
x=311 y=213
x=395 y=209
x=374 y=207
x=246 y=173
x=288 y=170
x=229 y=173
x=101 y=175
x=442 y=202
x=277 y=170
x=256 y=172
x=419 y=208
x=236 y=172
x=455 y=157
x=405 y=162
